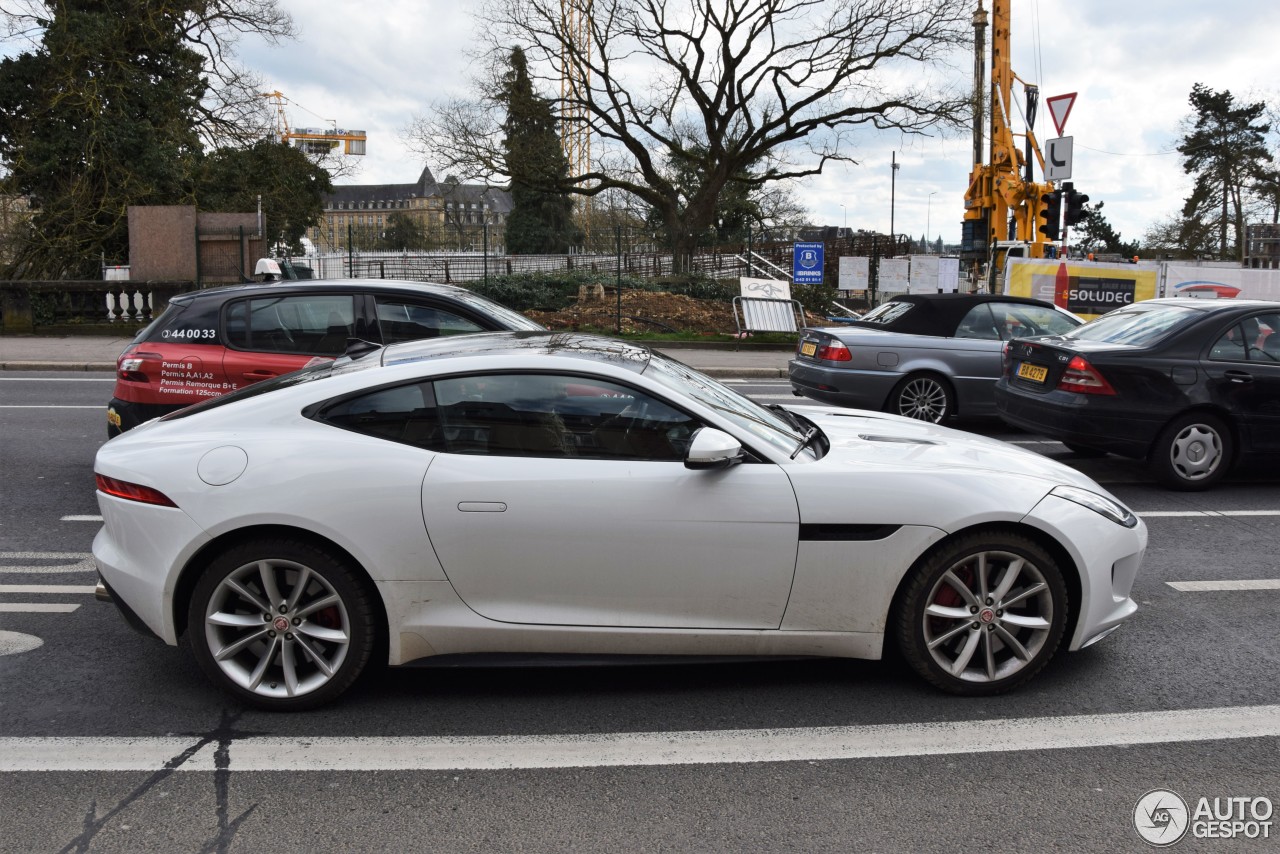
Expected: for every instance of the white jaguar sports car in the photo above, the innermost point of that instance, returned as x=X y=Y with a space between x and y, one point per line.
x=564 y=494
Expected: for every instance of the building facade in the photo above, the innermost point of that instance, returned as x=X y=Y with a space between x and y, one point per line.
x=426 y=215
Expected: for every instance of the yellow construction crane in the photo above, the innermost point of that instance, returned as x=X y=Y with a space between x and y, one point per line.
x=315 y=140
x=1003 y=205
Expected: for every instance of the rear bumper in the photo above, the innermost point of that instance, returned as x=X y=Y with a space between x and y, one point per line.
x=1076 y=418
x=104 y=593
x=842 y=386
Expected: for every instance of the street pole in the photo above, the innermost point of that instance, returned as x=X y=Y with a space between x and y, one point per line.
x=845 y=211
x=928 y=218
x=893 y=190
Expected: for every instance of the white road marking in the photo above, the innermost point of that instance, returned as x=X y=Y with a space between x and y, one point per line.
x=80 y=519
x=1211 y=586
x=54 y=406
x=36 y=608
x=647 y=748
x=46 y=588
x=14 y=643
x=71 y=562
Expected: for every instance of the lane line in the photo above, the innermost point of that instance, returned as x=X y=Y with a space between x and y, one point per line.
x=80 y=519
x=1211 y=586
x=46 y=588
x=647 y=748
x=34 y=608
x=53 y=406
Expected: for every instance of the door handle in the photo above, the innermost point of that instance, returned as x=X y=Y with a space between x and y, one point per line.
x=482 y=506
x=1239 y=376
x=254 y=376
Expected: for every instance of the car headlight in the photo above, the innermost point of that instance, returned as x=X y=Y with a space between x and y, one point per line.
x=1099 y=504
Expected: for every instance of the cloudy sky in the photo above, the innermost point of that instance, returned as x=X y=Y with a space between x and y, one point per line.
x=1133 y=63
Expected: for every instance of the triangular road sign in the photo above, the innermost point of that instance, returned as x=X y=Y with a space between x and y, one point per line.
x=1060 y=108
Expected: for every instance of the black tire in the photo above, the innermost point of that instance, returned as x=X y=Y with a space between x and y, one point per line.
x=924 y=397
x=322 y=635
x=1084 y=450
x=1193 y=452
x=981 y=646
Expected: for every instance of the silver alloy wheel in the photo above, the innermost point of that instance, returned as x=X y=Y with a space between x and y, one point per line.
x=924 y=399
x=1196 y=452
x=277 y=628
x=988 y=616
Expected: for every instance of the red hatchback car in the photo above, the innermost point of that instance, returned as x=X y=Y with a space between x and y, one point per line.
x=207 y=343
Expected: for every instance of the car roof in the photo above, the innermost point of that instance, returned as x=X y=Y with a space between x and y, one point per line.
x=314 y=286
x=940 y=314
x=578 y=345
x=1209 y=306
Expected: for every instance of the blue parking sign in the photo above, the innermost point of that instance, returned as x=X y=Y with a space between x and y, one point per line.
x=806 y=265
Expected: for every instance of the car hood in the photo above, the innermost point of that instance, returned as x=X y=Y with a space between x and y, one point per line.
x=879 y=441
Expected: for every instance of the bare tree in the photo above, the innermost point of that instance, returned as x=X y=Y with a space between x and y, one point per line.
x=782 y=84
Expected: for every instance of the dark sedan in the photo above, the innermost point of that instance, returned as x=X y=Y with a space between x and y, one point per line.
x=925 y=356
x=1192 y=386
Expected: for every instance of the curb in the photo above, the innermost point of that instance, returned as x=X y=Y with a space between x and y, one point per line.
x=107 y=367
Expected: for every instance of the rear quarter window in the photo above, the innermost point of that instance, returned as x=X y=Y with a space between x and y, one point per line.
x=193 y=323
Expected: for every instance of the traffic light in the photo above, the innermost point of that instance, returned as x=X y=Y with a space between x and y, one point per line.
x=1075 y=205
x=1052 y=213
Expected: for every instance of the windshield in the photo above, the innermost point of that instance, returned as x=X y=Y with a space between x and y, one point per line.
x=1136 y=325
x=887 y=313
x=747 y=414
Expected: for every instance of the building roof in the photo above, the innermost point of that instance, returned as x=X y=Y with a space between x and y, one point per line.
x=425 y=187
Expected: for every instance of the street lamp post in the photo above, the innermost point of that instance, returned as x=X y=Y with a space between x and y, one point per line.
x=845 y=211
x=928 y=216
x=893 y=185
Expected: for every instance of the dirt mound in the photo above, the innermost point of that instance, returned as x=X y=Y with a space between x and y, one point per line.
x=643 y=311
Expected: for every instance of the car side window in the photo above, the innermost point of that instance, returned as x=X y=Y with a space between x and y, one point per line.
x=191 y=324
x=404 y=413
x=1251 y=339
x=306 y=323
x=544 y=415
x=403 y=320
x=978 y=323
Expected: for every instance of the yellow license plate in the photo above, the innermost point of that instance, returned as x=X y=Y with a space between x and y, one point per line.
x=113 y=418
x=1035 y=373
x=808 y=348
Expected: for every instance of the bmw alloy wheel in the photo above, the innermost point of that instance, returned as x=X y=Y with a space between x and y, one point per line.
x=923 y=398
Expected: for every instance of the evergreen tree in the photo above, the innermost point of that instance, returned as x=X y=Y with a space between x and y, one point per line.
x=291 y=185
x=99 y=117
x=541 y=219
x=1225 y=149
x=1095 y=234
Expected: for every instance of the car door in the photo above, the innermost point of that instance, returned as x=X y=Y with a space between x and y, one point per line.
x=974 y=357
x=275 y=334
x=410 y=318
x=1242 y=367
x=564 y=500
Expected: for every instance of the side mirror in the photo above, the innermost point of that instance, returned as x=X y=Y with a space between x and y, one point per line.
x=712 y=449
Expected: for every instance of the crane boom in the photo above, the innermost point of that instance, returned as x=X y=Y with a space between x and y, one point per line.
x=315 y=140
x=1003 y=200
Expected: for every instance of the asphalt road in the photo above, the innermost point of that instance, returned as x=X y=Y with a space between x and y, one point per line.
x=1069 y=756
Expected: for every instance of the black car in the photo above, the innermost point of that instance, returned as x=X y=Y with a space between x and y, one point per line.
x=210 y=342
x=1190 y=385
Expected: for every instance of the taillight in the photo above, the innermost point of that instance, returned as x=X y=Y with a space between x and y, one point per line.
x=1083 y=378
x=133 y=491
x=129 y=365
x=834 y=351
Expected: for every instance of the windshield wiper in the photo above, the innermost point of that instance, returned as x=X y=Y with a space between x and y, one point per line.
x=787 y=415
x=804 y=442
